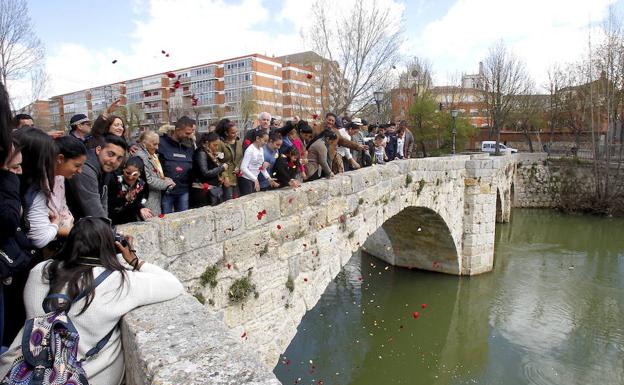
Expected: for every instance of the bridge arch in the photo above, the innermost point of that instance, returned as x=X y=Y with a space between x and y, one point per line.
x=417 y=237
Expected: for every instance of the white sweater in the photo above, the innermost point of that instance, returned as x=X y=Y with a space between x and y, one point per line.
x=252 y=162
x=149 y=285
x=42 y=231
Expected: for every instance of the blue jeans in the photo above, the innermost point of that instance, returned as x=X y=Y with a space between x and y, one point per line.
x=174 y=203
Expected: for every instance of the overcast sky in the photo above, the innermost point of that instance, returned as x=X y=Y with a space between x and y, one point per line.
x=82 y=38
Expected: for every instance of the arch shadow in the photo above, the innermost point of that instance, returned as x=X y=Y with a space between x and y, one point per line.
x=416 y=237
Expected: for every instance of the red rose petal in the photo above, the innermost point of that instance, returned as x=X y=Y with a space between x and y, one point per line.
x=305 y=245
x=263 y=211
x=415 y=315
x=229 y=266
x=247 y=142
x=176 y=85
x=114 y=61
x=305 y=280
x=290 y=200
x=162 y=51
x=279 y=227
x=205 y=186
x=170 y=75
x=167 y=55
x=315 y=116
x=244 y=335
x=423 y=306
x=161 y=216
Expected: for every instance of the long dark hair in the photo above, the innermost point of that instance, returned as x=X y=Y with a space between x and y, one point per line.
x=223 y=126
x=6 y=125
x=90 y=243
x=70 y=147
x=38 y=154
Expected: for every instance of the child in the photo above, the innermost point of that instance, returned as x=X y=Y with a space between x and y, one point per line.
x=378 y=150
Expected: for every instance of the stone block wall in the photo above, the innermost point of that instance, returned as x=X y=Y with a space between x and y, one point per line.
x=256 y=264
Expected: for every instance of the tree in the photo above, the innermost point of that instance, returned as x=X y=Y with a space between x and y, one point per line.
x=528 y=116
x=423 y=118
x=359 y=48
x=20 y=50
x=505 y=79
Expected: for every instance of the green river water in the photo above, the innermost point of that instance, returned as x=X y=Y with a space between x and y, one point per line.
x=550 y=312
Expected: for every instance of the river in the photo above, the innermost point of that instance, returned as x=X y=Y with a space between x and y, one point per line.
x=551 y=312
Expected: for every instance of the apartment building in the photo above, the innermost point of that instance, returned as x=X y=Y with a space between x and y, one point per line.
x=236 y=88
x=326 y=77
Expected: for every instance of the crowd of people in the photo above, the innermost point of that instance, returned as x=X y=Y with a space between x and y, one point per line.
x=62 y=194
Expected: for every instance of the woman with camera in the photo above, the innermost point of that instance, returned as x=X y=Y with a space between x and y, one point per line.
x=90 y=250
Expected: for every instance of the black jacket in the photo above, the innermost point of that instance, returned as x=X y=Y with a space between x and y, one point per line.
x=205 y=169
x=284 y=171
x=16 y=251
x=121 y=210
x=176 y=160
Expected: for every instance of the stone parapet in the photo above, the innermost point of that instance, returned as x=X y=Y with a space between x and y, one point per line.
x=258 y=263
x=180 y=342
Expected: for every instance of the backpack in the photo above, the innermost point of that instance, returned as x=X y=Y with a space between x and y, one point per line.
x=49 y=351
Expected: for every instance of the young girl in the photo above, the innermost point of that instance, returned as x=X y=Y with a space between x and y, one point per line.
x=90 y=250
x=127 y=194
x=287 y=168
x=252 y=165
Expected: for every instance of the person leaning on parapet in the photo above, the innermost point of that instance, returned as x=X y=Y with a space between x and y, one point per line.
x=264 y=125
x=87 y=192
x=124 y=284
x=154 y=176
x=175 y=152
x=344 y=141
x=80 y=127
x=408 y=140
x=361 y=157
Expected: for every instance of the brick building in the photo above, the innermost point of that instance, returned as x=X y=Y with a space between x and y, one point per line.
x=236 y=88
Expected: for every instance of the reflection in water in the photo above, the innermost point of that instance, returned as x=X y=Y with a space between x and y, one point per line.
x=549 y=313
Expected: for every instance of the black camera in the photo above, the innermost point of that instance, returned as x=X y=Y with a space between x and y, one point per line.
x=120 y=238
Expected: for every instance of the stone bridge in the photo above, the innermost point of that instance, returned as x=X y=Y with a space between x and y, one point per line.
x=258 y=263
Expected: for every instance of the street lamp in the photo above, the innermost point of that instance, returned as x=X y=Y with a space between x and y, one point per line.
x=378 y=95
x=454 y=115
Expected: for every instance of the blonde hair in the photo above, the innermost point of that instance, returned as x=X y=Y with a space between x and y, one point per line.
x=147 y=134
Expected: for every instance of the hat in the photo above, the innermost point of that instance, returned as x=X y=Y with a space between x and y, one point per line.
x=357 y=121
x=77 y=119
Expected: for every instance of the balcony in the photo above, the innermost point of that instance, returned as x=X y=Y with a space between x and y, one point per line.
x=149 y=110
x=152 y=98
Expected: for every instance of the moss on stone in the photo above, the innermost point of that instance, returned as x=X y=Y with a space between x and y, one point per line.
x=240 y=289
x=290 y=284
x=209 y=276
x=200 y=297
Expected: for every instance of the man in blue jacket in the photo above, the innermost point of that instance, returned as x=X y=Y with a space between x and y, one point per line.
x=175 y=152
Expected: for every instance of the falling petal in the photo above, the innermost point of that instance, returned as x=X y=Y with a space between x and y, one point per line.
x=423 y=306
x=244 y=335
x=170 y=75
x=415 y=315
x=115 y=61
